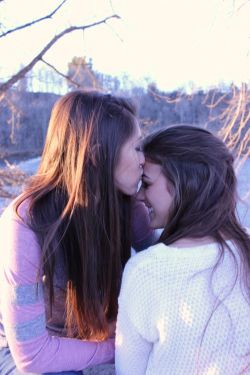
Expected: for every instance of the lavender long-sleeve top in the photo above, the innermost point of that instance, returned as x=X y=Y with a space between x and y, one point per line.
x=38 y=343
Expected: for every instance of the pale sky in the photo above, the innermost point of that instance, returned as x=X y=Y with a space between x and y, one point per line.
x=173 y=42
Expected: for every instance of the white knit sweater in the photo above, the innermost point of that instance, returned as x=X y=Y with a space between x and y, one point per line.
x=177 y=318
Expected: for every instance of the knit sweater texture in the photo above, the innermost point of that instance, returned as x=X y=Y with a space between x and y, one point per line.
x=179 y=317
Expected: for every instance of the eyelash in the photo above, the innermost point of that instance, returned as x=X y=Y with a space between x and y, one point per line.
x=138 y=148
x=144 y=184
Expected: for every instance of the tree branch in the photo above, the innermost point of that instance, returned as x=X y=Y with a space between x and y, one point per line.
x=5 y=86
x=33 y=22
x=242 y=5
x=60 y=73
x=111 y=6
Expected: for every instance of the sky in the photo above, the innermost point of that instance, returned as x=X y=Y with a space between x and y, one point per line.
x=174 y=43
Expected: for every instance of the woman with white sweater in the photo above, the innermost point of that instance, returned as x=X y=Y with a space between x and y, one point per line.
x=184 y=305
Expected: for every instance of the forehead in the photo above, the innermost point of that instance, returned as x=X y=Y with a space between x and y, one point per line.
x=137 y=131
x=151 y=170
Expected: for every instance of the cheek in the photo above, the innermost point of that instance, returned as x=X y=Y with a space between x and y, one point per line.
x=152 y=197
x=128 y=166
x=159 y=200
x=168 y=203
x=132 y=161
x=123 y=163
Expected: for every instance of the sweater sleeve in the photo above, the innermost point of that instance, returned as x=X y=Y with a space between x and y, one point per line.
x=142 y=235
x=23 y=309
x=133 y=345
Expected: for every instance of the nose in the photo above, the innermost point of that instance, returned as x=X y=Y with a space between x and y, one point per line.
x=141 y=158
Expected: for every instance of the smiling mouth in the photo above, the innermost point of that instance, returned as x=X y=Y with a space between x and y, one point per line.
x=150 y=210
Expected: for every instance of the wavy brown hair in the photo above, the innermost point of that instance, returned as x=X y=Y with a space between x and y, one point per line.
x=76 y=211
x=200 y=170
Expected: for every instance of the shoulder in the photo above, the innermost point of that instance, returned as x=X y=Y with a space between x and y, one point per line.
x=164 y=262
x=13 y=222
x=144 y=263
x=10 y=214
x=15 y=233
x=169 y=255
x=144 y=257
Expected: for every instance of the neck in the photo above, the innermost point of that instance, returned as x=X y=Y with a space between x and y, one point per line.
x=190 y=242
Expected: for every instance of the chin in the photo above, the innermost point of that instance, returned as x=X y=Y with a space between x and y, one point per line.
x=154 y=225
x=129 y=192
x=133 y=190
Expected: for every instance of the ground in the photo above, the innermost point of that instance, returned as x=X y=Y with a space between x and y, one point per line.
x=11 y=183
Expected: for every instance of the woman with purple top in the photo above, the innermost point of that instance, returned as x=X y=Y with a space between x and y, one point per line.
x=66 y=239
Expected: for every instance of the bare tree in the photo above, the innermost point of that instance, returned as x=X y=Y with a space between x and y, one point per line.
x=32 y=22
x=40 y=56
x=236 y=118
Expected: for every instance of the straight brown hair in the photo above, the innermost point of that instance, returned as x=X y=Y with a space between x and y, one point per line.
x=78 y=215
x=199 y=168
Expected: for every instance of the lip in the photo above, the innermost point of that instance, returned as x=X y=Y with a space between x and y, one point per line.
x=150 y=208
x=147 y=205
x=150 y=211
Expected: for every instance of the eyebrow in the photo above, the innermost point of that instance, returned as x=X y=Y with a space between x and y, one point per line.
x=139 y=138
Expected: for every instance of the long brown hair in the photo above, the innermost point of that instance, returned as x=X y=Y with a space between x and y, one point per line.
x=76 y=211
x=200 y=170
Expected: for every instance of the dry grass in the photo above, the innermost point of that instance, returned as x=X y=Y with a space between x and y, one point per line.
x=11 y=180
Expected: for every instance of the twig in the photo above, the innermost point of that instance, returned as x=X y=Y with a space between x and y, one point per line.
x=60 y=73
x=5 y=86
x=33 y=22
x=242 y=5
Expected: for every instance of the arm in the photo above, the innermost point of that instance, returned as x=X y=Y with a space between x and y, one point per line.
x=132 y=347
x=23 y=310
x=132 y=350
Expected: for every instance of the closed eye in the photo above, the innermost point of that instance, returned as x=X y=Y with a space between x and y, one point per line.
x=144 y=184
x=138 y=148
